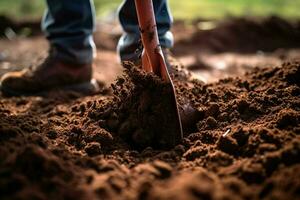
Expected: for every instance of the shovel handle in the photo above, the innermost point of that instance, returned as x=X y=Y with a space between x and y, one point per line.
x=147 y=23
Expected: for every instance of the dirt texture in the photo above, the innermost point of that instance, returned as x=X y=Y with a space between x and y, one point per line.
x=246 y=145
x=243 y=144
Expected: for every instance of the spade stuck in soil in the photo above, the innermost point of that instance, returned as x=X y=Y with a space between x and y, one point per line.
x=153 y=61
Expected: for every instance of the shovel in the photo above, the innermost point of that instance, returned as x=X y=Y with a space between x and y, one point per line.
x=153 y=61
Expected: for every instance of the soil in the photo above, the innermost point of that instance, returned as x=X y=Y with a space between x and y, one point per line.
x=243 y=35
x=245 y=143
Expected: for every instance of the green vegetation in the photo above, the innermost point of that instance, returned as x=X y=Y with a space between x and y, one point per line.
x=22 y=8
x=188 y=9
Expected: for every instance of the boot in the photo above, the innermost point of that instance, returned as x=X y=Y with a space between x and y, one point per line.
x=51 y=74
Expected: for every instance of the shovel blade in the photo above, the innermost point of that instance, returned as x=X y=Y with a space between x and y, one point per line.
x=172 y=128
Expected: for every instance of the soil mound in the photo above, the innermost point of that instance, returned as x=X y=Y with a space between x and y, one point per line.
x=142 y=112
x=244 y=35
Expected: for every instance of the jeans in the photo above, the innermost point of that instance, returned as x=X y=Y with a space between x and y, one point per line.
x=69 y=25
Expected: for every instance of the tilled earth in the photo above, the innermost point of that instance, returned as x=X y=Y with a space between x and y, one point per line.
x=246 y=145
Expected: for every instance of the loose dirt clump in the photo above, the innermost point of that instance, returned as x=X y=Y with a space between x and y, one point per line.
x=246 y=143
x=141 y=112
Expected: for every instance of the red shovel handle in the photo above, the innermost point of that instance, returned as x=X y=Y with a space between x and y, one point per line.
x=149 y=35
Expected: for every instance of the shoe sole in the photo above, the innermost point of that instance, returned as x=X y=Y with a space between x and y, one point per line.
x=86 y=88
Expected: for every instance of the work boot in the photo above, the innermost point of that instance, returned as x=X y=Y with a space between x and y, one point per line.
x=51 y=74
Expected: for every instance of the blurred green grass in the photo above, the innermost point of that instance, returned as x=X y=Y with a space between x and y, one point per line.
x=188 y=9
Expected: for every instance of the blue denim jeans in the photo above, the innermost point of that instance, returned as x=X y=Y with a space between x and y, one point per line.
x=69 y=25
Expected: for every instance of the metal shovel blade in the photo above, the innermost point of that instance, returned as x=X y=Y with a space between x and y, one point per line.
x=173 y=133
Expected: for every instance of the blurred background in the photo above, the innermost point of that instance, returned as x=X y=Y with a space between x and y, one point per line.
x=189 y=9
x=213 y=38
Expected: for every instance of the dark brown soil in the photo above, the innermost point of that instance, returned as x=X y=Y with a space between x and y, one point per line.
x=245 y=143
x=246 y=146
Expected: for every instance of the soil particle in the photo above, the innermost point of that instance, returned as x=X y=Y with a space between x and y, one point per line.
x=195 y=153
x=52 y=134
x=228 y=145
x=287 y=118
x=93 y=148
x=164 y=168
x=213 y=110
x=211 y=123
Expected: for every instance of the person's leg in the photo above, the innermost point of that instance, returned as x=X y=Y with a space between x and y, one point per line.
x=68 y=25
x=128 y=46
